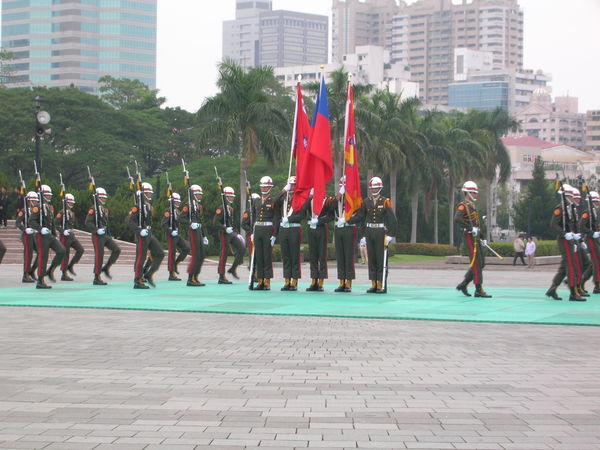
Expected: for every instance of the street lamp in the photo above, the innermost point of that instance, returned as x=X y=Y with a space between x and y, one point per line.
x=42 y=118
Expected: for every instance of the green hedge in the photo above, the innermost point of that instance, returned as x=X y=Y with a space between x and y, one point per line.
x=506 y=249
x=421 y=248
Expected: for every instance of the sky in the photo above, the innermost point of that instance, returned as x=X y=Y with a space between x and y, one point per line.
x=561 y=37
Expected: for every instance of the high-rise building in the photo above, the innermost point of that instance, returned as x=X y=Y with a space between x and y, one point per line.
x=59 y=43
x=592 y=136
x=357 y=23
x=260 y=36
x=425 y=34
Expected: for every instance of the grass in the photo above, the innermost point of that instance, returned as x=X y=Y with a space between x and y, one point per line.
x=414 y=258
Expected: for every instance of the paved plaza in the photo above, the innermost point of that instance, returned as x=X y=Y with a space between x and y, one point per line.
x=116 y=379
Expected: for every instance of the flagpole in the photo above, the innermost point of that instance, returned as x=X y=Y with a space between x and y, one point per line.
x=285 y=203
x=342 y=205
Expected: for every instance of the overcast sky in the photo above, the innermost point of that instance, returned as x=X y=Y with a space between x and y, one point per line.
x=562 y=37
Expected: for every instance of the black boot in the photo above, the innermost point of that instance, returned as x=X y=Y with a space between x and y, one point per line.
x=41 y=284
x=596 y=289
x=27 y=278
x=233 y=272
x=313 y=285
x=139 y=284
x=462 y=287
x=373 y=288
x=106 y=270
x=150 y=279
x=50 y=274
x=71 y=270
x=479 y=292
x=582 y=292
x=173 y=276
x=65 y=277
x=223 y=280
x=192 y=281
x=98 y=281
x=552 y=293
x=575 y=297
x=341 y=287
x=286 y=285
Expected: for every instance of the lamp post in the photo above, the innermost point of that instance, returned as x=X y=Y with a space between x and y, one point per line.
x=42 y=118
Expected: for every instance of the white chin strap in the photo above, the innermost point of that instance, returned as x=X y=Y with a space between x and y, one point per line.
x=471 y=197
x=376 y=194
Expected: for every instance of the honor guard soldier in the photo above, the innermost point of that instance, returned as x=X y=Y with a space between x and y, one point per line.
x=175 y=241
x=345 y=236
x=42 y=220
x=248 y=221
x=28 y=237
x=381 y=226
x=267 y=218
x=467 y=217
x=97 y=224
x=191 y=217
x=564 y=222
x=290 y=236
x=65 y=220
x=318 y=235
x=140 y=221
x=589 y=225
x=582 y=262
x=223 y=220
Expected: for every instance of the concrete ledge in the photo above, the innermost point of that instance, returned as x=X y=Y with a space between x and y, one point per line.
x=539 y=260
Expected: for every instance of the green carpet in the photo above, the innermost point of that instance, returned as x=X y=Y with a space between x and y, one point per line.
x=510 y=305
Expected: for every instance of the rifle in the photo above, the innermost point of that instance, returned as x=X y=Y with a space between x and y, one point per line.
x=476 y=237
x=226 y=218
x=586 y=192
x=171 y=203
x=250 y=212
x=38 y=189
x=558 y=186
x=92 y=187
x=139 y=195
x=64 y=202
x=186 y=182
x=23 y=192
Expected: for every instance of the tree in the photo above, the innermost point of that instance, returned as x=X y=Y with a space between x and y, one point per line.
x=533 y=210
x=6 y=58
x=245 y=117
x=124 y=93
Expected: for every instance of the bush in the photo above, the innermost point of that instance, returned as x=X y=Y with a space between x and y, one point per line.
x=506 y=249
x=420 y=248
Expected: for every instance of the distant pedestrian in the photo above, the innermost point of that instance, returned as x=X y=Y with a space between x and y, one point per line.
x=530 y=252
x=519 y=246
x=364 y=259
x=3 y=207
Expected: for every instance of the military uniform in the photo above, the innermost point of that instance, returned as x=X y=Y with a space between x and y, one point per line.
x=380 y=221
x=65 y=223
x=467 y=217
x=289 y=239
x=345 y=237
x=196 y=239
x=265 y=227
x=587 y=252
x=226 y=240
x=2 y=251
x=96 y=222
x=318 y=236
x=29 y=246
x=45 y=242
x=144 y=243
x=588 y=225
x=175 y=242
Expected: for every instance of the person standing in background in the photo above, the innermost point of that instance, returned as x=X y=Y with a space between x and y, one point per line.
x=3 y=207
x=530 y=252
x=519 y=246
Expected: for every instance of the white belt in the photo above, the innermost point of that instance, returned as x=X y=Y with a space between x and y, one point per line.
x=291 y=225
x=375 y=225
x=264 y=224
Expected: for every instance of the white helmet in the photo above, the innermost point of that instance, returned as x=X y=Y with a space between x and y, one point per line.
x=594 y=196
x=255 y=196
x=567 y=189
x=228 y=191
x=470 y=187
x=147 y=188
x=101 y=193
x=32 y=197
x=176 y=197
x=576 y=194
x=46 y=190
x=196 y=189
x=70 y=198
x=266 y=182
x=292 y=179
x=375 y=183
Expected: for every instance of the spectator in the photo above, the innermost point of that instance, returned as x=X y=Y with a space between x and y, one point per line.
x=3 y=207
x=519 y=246
x=530 y=253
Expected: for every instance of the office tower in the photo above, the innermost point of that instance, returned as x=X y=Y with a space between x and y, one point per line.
x=260 y=36
x=59 y=43
x=592 y=130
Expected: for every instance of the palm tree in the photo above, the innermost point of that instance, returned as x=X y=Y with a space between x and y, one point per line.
x=246 y=116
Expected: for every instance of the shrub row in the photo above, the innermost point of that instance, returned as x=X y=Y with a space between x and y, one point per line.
x=543 y=248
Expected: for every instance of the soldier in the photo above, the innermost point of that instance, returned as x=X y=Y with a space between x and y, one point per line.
x=223 y=220
x=28 y=236
x=563 y=222
x=64 y=225
x=191 y=217
x=589 y=225
x=381 y=226
x=140 y=221
x=290 y=236
x=318 y=235
x=345 y=236
x=42 y=220
x=265 y=230
x=97 y=224
x=467 y=217
x=170 y=223
x=248 y=221
x=582 y=262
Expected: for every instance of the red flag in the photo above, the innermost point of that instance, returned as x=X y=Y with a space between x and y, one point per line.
x=353 y=197
x=317 y=167
x=300 y=138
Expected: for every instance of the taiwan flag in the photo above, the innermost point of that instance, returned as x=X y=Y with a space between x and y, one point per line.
x=301 y=135
x=317 y=167
x=353 y=197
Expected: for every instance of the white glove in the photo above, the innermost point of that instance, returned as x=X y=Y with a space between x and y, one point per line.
x=313 y=222
x=285 y=222
x=67 y=233
x=574 y=247
x=273 y=239
x=312 y=191
x=45 y=231
x=205 y=240
x=596 y=234
x=388 y=239
x=144 y=232
x=342 y=190
x=229 y=230
x=341 y=222
x=577 y=236
x=174 y=233
x=363 y=241
x=195 y=225
x=569 y=236
x=287 y=187
x=475 y=231
x=583 y=245
x=484 y=242
x=29 y=230
x=101 y=231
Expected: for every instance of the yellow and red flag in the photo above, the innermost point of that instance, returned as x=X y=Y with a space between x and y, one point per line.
x=353 y=198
